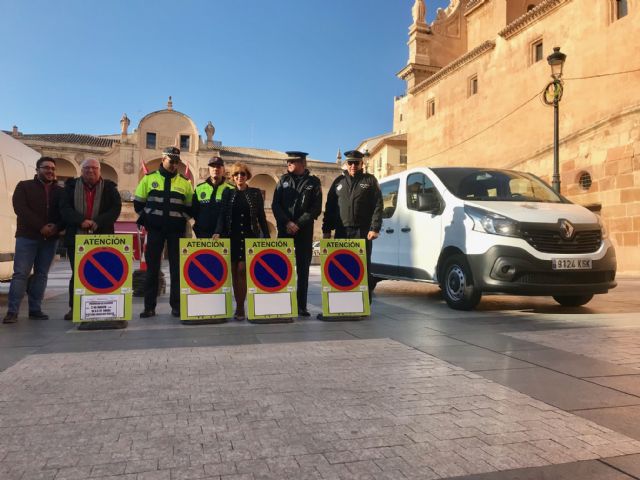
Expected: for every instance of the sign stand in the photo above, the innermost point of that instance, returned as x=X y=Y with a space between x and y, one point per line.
x=205 y=283
x=102 y=281
x=271 y=283
x=345 y=291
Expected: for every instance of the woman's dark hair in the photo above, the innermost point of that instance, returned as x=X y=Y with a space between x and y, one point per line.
x=41 y=160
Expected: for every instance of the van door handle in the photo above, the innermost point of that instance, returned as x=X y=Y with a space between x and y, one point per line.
x=405 y=229
x=389 y=230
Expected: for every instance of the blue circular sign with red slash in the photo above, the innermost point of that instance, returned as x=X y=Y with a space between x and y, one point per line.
x=271 y=270
x=344 y=270
x=205 y=271
x=103 y=270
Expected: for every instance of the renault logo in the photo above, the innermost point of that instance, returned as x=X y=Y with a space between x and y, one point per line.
x=566 y=229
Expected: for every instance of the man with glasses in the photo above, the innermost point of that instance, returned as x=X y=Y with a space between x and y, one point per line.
x=354 y=207
x=90 y=205
x=36 y=203
x=297 y=202
x=163 y=202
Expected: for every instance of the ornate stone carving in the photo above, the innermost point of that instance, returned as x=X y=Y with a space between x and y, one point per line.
x=419 y=12
x=124 y=124
x=209 y=131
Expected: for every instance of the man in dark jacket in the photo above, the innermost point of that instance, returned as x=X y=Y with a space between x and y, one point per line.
x=38 y=223
x=297 y=202
x=354 y=207
x=89 y=205
x=207 y=199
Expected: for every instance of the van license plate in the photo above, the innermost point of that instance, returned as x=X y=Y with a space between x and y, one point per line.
x=571 y=263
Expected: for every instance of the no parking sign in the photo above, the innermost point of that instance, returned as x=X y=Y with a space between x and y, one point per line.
x=344 y=278
x=102 y=278
x=205 y=283
x=271 y=279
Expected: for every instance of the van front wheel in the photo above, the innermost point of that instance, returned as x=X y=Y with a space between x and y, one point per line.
x=572 y=300
x=457 y=285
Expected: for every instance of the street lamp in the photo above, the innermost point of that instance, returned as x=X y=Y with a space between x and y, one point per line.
x=552 y=96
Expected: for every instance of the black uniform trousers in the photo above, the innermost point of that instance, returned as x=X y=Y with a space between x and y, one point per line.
x=153 y=255
x=303 y=244
x=359 y=233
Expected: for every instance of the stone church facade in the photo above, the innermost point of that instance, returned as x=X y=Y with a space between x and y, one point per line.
x=474 y=79
x=121 y=156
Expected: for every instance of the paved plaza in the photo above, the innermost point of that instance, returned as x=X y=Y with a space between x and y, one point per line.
x=519 y=389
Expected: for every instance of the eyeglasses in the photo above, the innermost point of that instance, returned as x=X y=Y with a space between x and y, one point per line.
x=173 y=161
x=353 y=162
x=48 y=168
x=240 y=174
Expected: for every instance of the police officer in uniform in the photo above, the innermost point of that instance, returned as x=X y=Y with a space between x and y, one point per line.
x=163 y=202
x=207 y=199
x=354 y=206
x=297 y=202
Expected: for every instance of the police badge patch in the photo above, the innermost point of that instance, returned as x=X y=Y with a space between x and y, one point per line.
x=155 y=184
x=203 y=195
x=285 y=184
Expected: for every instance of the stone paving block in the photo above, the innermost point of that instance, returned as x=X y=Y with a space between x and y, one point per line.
x=336 y=409
x=154 y=475
x=139 y=466
x=108 y=469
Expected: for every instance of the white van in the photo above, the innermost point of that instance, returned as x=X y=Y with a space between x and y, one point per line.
x=481 y=230
x=17 y=162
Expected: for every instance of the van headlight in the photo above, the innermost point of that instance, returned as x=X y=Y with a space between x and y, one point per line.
x=603 y=229
x=489 y=222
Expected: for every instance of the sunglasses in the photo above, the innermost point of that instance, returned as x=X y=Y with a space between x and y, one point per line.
x=173 y=161
x=240 y=174
x=353 y=162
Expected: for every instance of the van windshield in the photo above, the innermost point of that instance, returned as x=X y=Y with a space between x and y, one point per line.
x=496 y=185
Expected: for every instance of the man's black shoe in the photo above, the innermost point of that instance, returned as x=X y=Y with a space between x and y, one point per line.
x=303 y=312
x=175 y=312
x=319 y=316
x=148 y=314
x=69 y=315
x=40 y=315
x=10 y=317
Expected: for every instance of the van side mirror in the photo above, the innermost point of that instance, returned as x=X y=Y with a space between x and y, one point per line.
x=428 y=202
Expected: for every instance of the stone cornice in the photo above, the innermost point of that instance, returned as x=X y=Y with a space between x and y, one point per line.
x=455 y=65
x=473 y=5
x=523 y=21
x=415 y=67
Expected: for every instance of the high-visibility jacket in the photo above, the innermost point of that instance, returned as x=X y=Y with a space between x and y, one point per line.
x=163 y=201
x=207 y=206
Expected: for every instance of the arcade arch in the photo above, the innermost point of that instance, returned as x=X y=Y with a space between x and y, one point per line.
x=155 y=164
x=108 y=172
x=66 y=169
x=267 y=184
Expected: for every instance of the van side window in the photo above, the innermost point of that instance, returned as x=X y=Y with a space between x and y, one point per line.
x=389 y=197
x=419 y=185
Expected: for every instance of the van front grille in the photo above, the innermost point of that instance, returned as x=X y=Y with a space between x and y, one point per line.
x=550 y=241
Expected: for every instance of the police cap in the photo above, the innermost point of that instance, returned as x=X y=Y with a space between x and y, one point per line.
x=171 y=152
x=216 y=161
x=295 y=156
x=354 y=155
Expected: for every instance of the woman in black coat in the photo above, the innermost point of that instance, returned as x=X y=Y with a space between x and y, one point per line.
x=242 y=216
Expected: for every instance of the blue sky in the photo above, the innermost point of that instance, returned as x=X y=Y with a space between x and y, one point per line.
x=279 y=74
